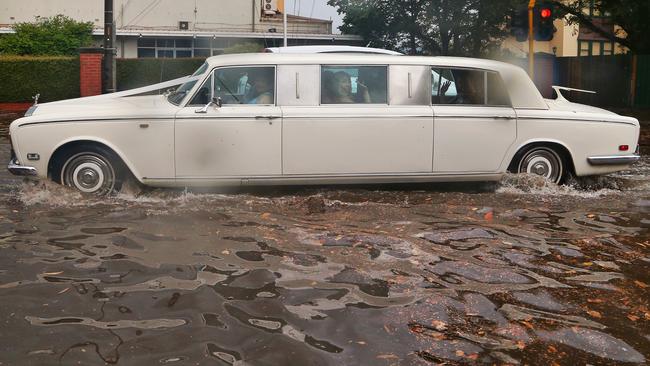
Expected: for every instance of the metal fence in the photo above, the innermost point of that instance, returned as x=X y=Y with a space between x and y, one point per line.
x=618 y=80
x=641 y=90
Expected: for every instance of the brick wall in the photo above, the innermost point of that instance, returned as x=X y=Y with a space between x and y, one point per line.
x=90 y=72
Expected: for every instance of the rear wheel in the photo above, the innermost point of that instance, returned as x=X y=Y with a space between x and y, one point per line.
x=543 y=161
x=92 y=170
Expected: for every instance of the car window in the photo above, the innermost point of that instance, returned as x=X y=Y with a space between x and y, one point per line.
x=458 y=86
x=354 y=85
x=245 y=85
x=203 y=95
x=497 y=94
x=440 y=77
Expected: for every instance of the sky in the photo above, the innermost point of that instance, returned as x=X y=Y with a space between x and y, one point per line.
x=315 y=9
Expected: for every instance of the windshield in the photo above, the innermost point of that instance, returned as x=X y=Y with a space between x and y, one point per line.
x=177 y=95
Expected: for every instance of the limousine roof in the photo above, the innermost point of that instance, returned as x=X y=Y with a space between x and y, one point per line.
x=523 y=92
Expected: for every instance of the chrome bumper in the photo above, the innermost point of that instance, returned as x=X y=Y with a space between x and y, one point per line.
x=22 y=170
x=613 y=160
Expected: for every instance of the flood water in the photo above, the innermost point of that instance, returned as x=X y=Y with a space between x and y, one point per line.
x=519 y=272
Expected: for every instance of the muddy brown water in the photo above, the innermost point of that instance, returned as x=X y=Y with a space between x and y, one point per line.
x=519 y=272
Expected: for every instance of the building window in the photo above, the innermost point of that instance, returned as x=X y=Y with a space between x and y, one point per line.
x=181 y=47
x=595 y=48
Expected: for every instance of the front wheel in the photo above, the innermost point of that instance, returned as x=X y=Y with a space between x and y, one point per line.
x=92 y=171
x=543 y=161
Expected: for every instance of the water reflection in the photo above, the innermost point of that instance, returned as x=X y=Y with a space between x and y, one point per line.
x=524 y=273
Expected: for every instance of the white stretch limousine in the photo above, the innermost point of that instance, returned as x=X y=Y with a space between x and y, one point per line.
x=273 y=118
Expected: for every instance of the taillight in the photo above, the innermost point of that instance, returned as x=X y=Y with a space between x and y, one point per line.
x=624 y=147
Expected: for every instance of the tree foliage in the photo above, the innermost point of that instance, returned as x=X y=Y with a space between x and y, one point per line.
x=631 y=17
x=434 y=27
x=55 y=36
x=246 y=47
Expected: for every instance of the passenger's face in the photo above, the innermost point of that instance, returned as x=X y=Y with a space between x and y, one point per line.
x=261 y=85
x=343 y=85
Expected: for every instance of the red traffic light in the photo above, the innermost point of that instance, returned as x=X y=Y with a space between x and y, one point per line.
x=545 y=13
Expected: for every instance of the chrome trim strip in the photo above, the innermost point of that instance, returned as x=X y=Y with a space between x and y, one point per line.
x=524 y=118
x=613 y=160
x=486 y=116
x=311 y=179
x=113 y=119
x=21 y=170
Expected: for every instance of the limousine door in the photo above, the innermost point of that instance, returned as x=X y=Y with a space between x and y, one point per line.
x=242 y=138
x=361 y=135
x=474 y=122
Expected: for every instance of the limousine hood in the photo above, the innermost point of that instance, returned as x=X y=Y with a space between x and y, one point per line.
x=83 y=109
x=126 y=104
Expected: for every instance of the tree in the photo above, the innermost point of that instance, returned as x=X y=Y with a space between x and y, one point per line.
x=246 y=47
x=55 y=36
x=631 y=16
x=437 y=27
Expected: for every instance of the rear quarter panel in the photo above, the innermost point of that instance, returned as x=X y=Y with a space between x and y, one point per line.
x=583 y=135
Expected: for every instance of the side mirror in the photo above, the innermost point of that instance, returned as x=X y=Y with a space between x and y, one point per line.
x=215 y=101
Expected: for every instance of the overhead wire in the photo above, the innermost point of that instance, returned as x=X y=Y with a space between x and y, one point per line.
x=152 y=5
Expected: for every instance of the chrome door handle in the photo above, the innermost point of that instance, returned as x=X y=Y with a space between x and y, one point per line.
x=267 y=117
x=503 y=117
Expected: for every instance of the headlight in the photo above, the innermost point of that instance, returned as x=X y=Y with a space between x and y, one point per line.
x=31 y=110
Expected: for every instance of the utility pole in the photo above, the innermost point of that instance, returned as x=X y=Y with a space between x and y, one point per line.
x=284 y=25
x=531 y=40
x=109 y=49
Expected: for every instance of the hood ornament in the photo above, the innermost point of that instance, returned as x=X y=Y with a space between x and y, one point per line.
x=35 y=97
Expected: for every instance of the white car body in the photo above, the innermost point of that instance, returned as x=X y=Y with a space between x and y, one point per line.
x=330 y=49
x=297 y=140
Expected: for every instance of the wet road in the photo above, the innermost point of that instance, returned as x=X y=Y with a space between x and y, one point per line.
x=516 y=273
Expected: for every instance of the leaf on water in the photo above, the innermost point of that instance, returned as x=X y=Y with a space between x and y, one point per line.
x=595 y=301
x=594 y=313
x=527 y=324
x=52 y=273
x=473 y=356
x=488 y=216
x=591 y=216
x=439 y=325
x=361 y=342
x=641 y=284
x=521 y=345
x=632 y=317
x=387 y=356
x=64 y=290
x=266 y=215
x=551 y=349
x=460 y=353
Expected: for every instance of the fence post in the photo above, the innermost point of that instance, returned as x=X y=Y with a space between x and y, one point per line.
x=90 y=71
x=633 y=81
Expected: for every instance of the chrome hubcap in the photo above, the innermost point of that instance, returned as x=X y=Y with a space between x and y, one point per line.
x=89 y=173
x=543 y=162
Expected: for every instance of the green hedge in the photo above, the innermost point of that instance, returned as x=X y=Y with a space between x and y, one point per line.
x=57 y=78
x=54 y=77
x=133 y=73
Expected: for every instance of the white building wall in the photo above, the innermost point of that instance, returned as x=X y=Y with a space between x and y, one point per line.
x=159 y=14
x=225 y=21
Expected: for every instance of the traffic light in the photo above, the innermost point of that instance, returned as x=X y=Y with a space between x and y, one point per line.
x=543 y=16
x=519 y=24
